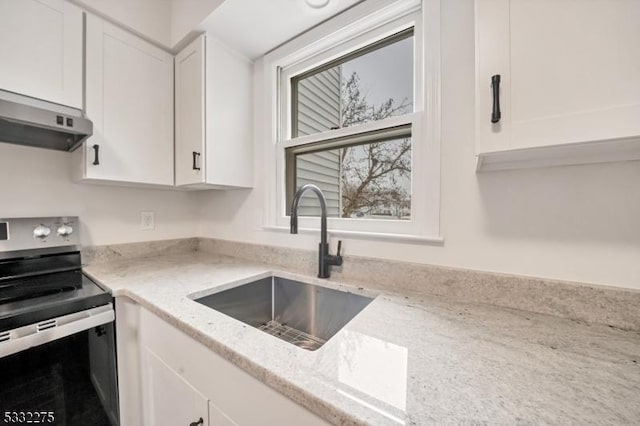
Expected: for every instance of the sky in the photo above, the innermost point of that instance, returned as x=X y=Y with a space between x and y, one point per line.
x=385 y=73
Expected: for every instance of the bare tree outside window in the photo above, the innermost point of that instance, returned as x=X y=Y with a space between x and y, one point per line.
x=366 y=179
x=375 y=177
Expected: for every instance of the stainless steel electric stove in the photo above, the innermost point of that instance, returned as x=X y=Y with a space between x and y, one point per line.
x=57 y=343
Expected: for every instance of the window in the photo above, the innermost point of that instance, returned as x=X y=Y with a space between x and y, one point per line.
x=367 y=176
x=349 y=117
x=362 y=176
x=370 y=84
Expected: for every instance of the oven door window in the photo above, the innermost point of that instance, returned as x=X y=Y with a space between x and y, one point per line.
x=71 y=381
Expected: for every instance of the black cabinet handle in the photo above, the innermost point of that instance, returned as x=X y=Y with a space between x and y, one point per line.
x=195 y=160
x=198 y=423
x=495 y=87
x=96 y=155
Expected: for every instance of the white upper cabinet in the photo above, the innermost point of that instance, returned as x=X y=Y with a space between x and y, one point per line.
x=213 y=117
x=190 y=113
x=129 y=98
x=41 y=50
x=569 y=77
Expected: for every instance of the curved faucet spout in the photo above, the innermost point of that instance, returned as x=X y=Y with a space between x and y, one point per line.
x=323 y=209
x=325 y=260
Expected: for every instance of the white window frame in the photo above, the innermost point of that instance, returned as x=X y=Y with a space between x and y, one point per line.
x=358 y=27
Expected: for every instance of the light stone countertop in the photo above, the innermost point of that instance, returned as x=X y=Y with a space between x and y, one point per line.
x=404 y=361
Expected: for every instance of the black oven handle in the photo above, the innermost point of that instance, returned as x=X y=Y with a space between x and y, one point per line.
x=28 y=336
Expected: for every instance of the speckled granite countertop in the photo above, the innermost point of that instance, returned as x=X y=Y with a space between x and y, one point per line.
x=404 y=361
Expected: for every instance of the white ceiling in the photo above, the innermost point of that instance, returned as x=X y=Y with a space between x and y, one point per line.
x=254 y=27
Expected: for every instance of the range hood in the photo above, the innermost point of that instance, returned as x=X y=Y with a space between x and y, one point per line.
x=34 y=122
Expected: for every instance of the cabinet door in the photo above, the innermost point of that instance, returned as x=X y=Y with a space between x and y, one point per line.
x=130 y=100
x=41 y=50
x=218 y=418
x=235 y=397
x=229 y=114
x=167 y=398
x=190 y=114
x=570 y=71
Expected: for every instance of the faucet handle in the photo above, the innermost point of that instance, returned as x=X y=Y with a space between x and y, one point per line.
x=339 y=247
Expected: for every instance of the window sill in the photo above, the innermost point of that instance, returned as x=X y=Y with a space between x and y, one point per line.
x=359 y=235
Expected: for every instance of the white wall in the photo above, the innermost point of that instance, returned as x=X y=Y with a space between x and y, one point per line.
x=579 y=223
x=166 y=22
x=149 y=18
x=189 y=14
x=37 y=182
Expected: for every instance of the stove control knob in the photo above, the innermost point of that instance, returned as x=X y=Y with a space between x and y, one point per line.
x=65 y=230
x=41 y=232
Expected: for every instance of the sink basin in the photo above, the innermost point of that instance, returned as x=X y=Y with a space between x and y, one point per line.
x=305 y=315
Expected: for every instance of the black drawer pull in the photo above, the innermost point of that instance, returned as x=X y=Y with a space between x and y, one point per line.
x=96 y=155
x=495 y=87
x=198 y=423
x=196 y=155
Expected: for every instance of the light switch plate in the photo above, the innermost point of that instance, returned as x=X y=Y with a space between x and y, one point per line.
x=147 y=221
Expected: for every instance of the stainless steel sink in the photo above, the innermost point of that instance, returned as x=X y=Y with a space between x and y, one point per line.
x=305 y=315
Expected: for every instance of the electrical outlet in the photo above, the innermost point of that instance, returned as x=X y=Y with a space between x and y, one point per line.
x=147 y=221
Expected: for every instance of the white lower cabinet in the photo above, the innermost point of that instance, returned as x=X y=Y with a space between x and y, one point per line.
x=218 y=418
x=167 y=398
x=166 y=378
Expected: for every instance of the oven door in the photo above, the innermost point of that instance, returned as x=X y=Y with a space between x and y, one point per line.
x=61 y=371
